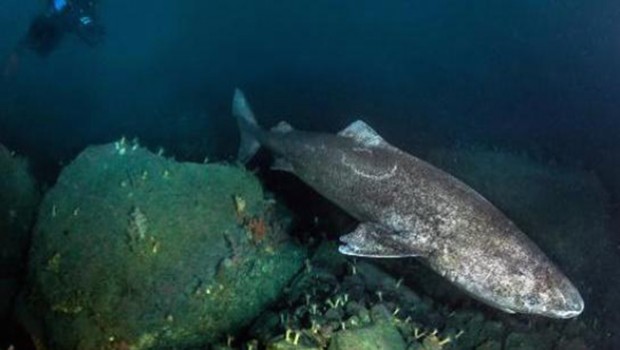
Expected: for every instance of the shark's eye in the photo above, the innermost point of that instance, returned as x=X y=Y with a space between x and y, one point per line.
x=532 y=299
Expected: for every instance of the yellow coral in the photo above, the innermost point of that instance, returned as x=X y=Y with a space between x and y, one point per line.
x=240 y=205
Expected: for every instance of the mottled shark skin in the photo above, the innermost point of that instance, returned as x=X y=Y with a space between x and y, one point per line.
x=407 y=207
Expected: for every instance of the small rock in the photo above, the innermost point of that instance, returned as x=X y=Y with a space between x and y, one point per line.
x=376 y=337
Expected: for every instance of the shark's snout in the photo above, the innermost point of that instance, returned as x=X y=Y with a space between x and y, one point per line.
x=573 y=303
x=567 y=302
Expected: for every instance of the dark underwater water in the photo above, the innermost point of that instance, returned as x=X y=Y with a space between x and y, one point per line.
x=534 y=77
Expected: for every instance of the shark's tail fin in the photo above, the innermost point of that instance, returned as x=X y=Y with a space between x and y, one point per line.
x=248 y=127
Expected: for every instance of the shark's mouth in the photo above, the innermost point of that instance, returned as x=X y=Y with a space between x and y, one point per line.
x=347 y=249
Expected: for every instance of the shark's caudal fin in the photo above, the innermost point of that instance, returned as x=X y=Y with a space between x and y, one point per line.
x=247 y=127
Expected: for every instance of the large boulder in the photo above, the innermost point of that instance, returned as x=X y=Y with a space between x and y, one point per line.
x=19 y=198
x=132 y=250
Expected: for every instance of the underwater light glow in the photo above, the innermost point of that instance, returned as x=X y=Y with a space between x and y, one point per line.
x=59 y=4
x=86 y=20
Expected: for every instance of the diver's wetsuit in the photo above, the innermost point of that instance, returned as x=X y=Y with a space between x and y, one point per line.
x=63 y=16
x=47 y=30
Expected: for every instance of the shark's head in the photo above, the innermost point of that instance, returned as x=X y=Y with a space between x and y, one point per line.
x=553 y=296
x=561 y=301
x=572 y=304
x=526 y=288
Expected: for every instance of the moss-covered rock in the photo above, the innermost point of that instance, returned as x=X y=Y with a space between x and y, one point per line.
x=132 y=250
x=288 y=344
x=19 y=198
x=379 y=336
x=529 y=341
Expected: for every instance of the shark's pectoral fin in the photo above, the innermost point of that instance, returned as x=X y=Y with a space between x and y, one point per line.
x=364 y=134
x=374 y=240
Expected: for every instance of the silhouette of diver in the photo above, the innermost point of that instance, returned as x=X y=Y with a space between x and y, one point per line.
x=48 y=29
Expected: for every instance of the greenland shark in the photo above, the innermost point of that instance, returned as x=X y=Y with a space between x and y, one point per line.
x=408 y=208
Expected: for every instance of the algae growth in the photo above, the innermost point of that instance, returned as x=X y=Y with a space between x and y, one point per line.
x=133 y=250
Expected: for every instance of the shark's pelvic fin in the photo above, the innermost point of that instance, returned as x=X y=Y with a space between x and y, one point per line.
x=374 y=240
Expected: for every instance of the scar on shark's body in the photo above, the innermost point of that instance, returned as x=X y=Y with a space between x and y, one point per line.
x=383 y=176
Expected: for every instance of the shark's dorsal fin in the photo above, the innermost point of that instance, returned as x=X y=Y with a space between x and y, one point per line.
x=282 y=127
x=364 y=134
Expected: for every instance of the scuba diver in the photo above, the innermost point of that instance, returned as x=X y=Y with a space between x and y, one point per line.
x=48 y=29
